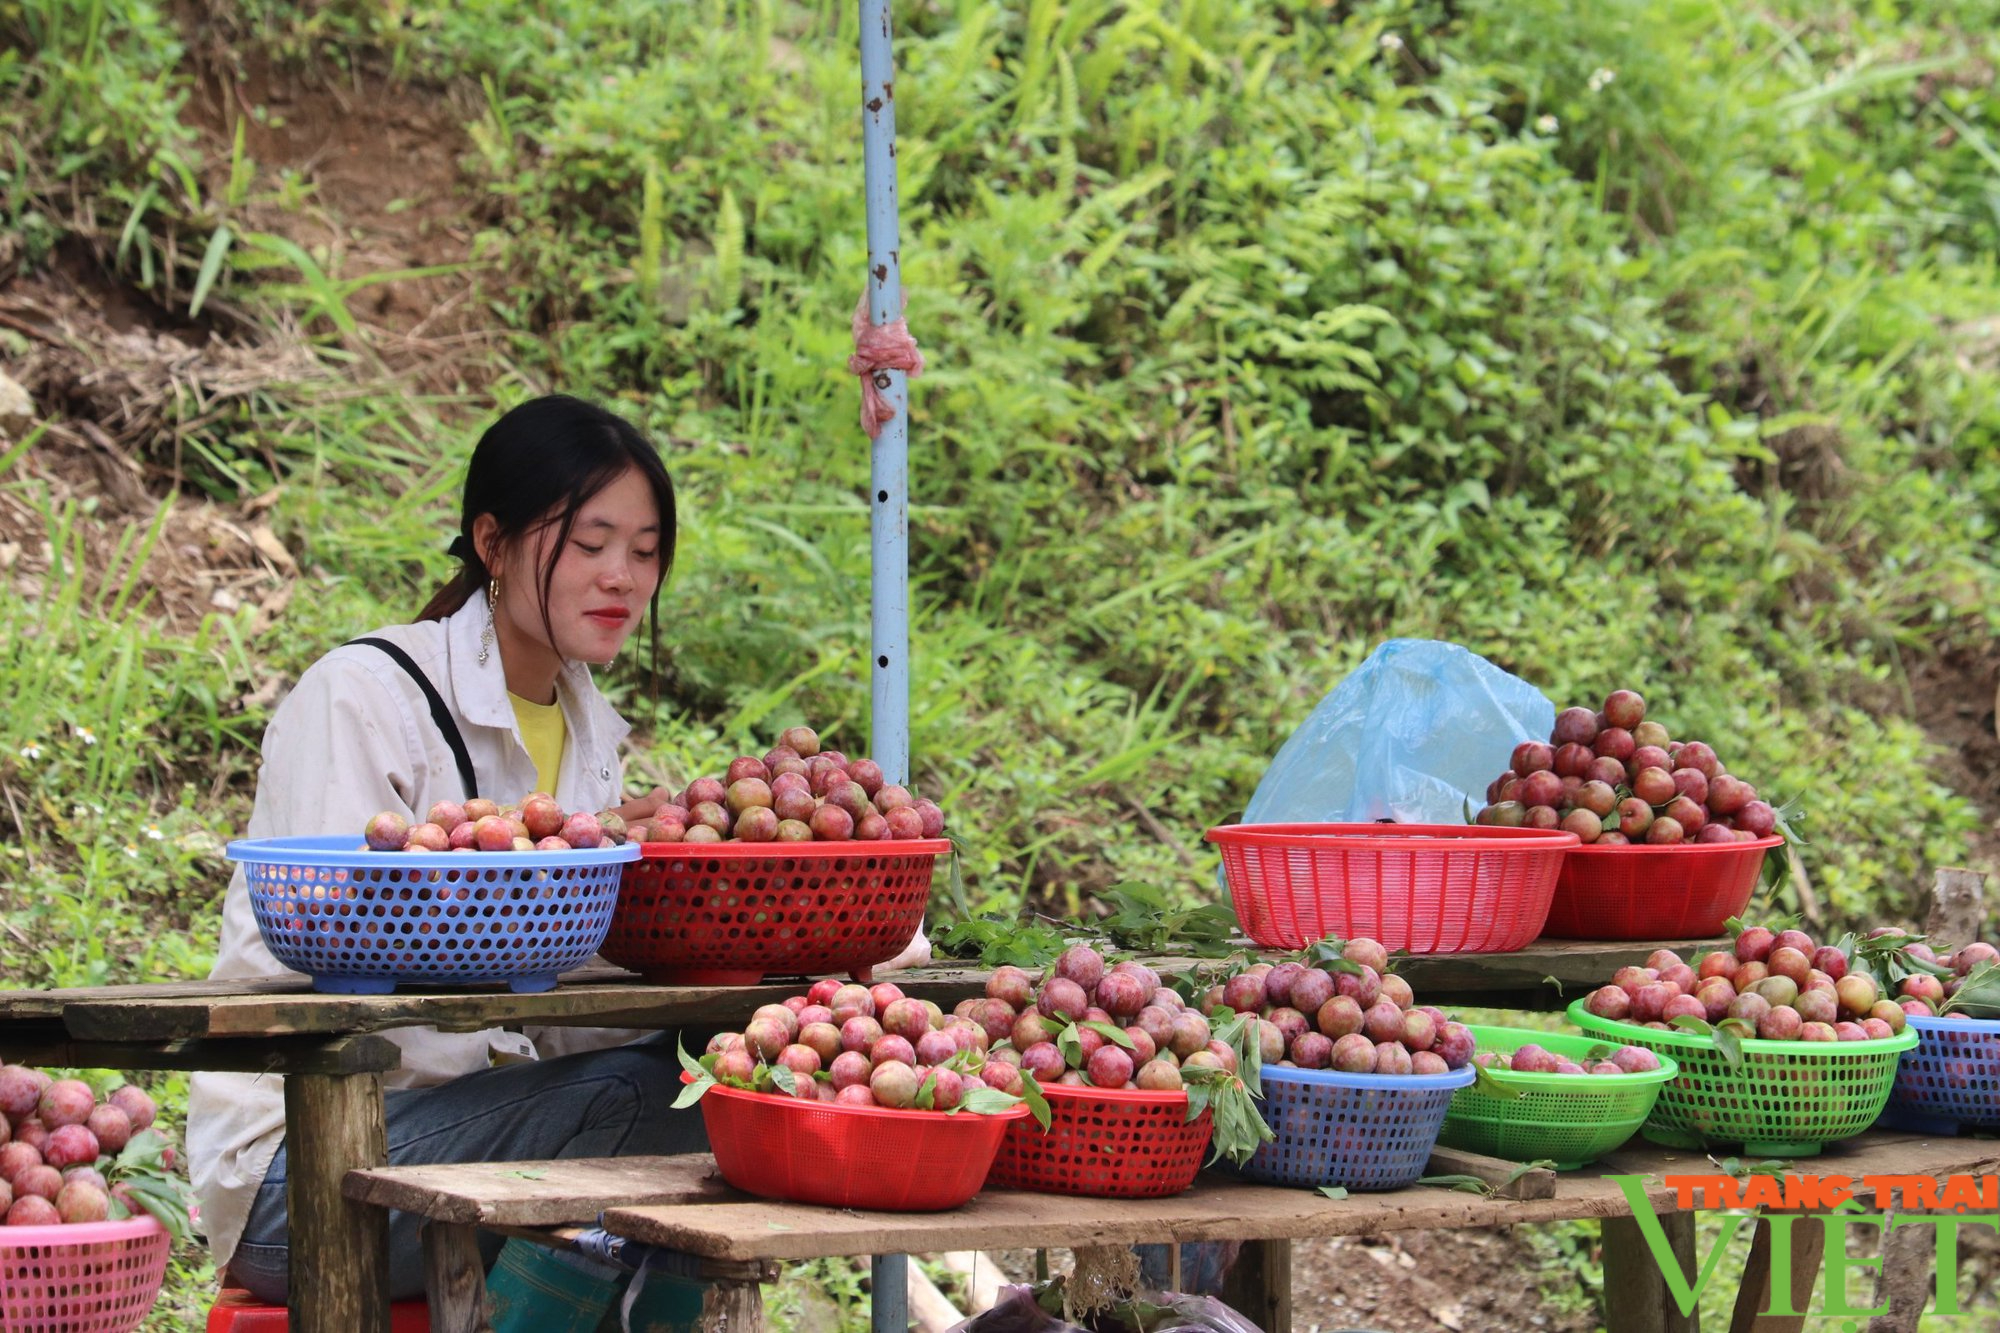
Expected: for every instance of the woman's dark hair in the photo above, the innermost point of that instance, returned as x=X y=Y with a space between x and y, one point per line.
x=538 y=465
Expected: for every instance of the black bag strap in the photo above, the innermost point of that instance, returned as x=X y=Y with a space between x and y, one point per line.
x=439 y=713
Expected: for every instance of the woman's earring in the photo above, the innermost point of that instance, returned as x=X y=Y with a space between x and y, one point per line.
x=486 y=635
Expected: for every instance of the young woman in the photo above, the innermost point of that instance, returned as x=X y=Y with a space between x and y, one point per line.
x=565 y=538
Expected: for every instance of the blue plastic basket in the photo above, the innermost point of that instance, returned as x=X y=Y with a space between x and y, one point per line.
x=360 y=922
x=1358 y=1131
x=1950 y=1081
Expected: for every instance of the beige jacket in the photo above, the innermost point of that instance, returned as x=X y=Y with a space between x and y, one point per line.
x=353 y=738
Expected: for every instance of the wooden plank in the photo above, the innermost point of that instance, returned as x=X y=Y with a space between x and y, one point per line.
x=1753 y=1298
x=454 y=1279
x=1214 y=1209
x=44 y=1045
x=339 y=1250
x=601 y=997
x=537 y=1194
x=1636 y=1299
x=594 y=1005
x=713 y=1270
x=1506 y=1179
x=1221 y=1208
x=1259 y=1284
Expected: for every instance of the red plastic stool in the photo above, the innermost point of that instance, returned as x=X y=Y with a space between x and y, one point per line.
x=237 y=1311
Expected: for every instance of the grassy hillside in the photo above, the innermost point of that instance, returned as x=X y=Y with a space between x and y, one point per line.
x=1650 y=343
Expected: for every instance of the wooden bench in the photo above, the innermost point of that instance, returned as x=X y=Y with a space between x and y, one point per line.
x=679 y=1205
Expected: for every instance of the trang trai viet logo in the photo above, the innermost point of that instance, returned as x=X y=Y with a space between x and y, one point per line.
x=1838 y=1202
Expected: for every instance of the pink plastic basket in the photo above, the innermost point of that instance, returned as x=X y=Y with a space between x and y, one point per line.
x=1427 y=888
x=91 y=1277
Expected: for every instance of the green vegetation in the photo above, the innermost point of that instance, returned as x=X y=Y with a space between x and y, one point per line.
x=1647 y=343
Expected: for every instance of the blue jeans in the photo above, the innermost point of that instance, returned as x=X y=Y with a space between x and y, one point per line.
x=613 y=1103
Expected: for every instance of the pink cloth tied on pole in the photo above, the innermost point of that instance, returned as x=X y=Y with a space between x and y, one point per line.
x=879 y=347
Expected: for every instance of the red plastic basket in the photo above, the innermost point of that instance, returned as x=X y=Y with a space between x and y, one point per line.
x=1654 y=893
x=89 y=1277
x=729 y=914
x=1426 y=888
x=850 y=1156
x=1117 y=1143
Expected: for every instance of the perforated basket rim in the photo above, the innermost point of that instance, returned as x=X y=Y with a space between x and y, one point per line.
x=1334 y=1078
x=1589 y=1022
x=1069 y=1092
x=1986 y=1027
x=1393 y=837
x=895 y=1116
x=338 y=853
x=797 y=851
x=1638 y=849
x=81 y=1233
x=1555 y=1043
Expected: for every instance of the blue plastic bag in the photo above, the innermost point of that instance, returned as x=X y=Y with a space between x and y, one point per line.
x=1415 y=734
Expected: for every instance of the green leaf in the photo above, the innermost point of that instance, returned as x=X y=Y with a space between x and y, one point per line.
x=1729 y=1041
x=1070 y=1046
x=1038 y=1105
x=688 y=1062
x=926 y=1092
x=987 y=1101
x=1978 y=996
x=1490 y=1083
x=787 y=1081
x=1544 y=1164
x=693 y=1092
x=1115 y=1035
x=1334 y=1191
x=1467 y=1184
x=1239 y=1125
x=1557 y=984
x=211 y=268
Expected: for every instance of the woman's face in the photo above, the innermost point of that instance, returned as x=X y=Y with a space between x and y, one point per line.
x=605 y=574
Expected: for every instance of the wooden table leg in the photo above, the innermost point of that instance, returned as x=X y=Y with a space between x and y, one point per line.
x=455 y=1279
x=1636 y=1299
x=1259 y=1284
x=732 y=1307
x=339 y=1249
x=1753 y=1299
x=1904 y=1282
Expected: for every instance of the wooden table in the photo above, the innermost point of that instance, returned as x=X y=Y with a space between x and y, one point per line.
x=678 y=1204
x=326 y=1047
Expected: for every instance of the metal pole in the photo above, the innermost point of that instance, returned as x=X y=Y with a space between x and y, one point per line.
x=889 y=740
x=889 y=583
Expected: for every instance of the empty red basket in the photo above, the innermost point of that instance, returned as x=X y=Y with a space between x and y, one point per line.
x=731 y=913
x=1426 y=888
x=851 y=1156
x=1654 y=893
x=1119 y=1143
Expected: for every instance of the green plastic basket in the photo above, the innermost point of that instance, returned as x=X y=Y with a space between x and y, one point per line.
x=1568 y=1119
x=1789 y=1098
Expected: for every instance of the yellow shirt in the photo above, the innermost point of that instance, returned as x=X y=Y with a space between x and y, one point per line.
x=542 y=731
